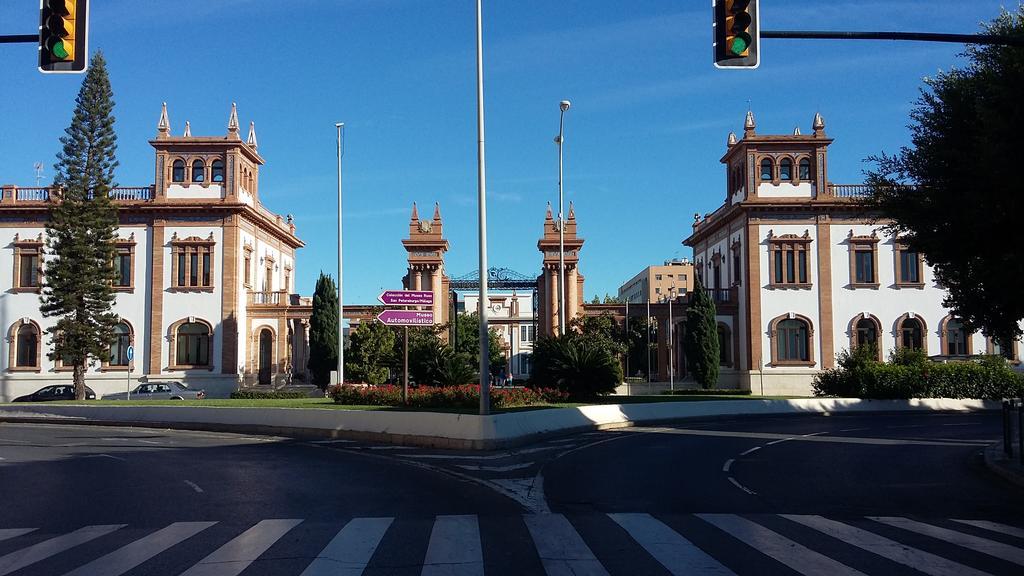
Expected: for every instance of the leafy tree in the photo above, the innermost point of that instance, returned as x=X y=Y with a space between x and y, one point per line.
x=701 y=338
x=371 y=352
x=601 y=332
x=954 y=195
x=81 y=232
x=423 y=344
x=596 y=299
x=323 y=331
x=581 y=367
x=636 y=344
x=609 y=299
x=469 y=342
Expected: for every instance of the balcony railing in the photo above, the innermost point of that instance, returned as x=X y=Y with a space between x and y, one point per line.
x=276 y=298
x=42 y=194
x=849 y=190
x=132 y=193
x=32 y=194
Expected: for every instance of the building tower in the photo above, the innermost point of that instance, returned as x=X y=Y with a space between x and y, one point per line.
x=547 y=282
x=426 y=247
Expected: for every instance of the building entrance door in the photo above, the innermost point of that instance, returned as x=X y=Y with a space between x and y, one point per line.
x=266 y=343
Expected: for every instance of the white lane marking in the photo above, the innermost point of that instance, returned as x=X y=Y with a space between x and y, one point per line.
x=677 y=554
x=235 y=556
x=994 y=527
x=8 y=533
x=563 y=441
x=812 y=434
x=26 y=556
x=830 y=439
x=194 y=486
x=796 y=556
x=750 y=451
x=886 y=548
x=104 y=456
x=728 y=464
x=454 y=548
x=482 y=468
x=527 y=491
x=348 y=553
x=561 y=549
x=741 y=486
x=127 y=557
x=985 y=546
x=332 y=441
x=779 y=441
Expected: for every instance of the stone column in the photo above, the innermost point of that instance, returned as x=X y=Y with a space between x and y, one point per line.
x=305 y=349
x=553 y=301
x=573 y=296
x=435 y=287
x=416 y=278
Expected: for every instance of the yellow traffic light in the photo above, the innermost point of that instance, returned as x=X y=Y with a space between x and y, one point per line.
x=736 y=33
x=62 y=35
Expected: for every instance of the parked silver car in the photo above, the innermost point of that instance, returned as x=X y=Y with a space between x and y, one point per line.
x=160 y=391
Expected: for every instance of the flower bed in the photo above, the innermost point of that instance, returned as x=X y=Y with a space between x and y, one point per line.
x=444 y=397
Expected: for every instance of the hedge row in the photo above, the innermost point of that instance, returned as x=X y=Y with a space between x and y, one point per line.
x=985 y=380
x=268 y=394
x=707 y=392
x=444 y=397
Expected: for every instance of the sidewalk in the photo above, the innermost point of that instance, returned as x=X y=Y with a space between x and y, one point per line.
x=1009 y=468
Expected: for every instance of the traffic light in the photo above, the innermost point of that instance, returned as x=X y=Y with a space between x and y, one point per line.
x=737 y=32
x=63 y=31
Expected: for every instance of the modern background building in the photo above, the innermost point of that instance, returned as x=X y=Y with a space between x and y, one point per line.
x=655 y=283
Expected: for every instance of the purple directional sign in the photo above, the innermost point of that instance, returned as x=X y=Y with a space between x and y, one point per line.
x=407 y=317
x=407 y=297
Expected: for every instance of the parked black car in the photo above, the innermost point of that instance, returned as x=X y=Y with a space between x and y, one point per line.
x=56 y=392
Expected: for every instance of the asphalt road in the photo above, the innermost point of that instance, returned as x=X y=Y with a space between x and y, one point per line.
x=864 y=494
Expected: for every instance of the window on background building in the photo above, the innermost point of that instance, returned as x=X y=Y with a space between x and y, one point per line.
x=736 y=267
x=724 y=345
x=864 y=266
x=908 y=265
x=997 y=349
x=192 y=263
x=789 y=260
x=792 y=345
x=864 y=261
x=217 y=171
x=786 y=169
x=193 y=345
x=198 y=171
x=119 y=347
x=956 y=338
x=717 y=272
x=29 y=270
x=526 y=333
x=178 y=171
x=123 y=265
x=27 y=343
x=525 y=364
x=805 y=169
x=767 y=170
x=657 y=276
x=657 y=290
x=912 y=334
x=867 y=333
x=247 y=268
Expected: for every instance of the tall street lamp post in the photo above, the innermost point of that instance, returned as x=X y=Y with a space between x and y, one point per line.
x=563 y=106
x=341 y=311
x=485 y=361
x=671 y=343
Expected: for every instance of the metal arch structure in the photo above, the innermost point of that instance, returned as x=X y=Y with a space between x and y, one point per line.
x=497 y=279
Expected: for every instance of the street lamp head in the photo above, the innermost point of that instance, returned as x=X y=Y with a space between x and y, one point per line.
x=339 y=124
x=564 y=105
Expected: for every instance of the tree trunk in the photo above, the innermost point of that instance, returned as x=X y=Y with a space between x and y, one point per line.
x=79 y=380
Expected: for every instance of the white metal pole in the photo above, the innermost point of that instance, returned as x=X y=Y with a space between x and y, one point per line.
x=563 y=106
x=671 y=347
x=485 y=361
x=341 y=311
x=629 y=347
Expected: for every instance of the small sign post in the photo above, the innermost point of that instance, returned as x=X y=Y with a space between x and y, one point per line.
x=406 y=318
x=130 y=354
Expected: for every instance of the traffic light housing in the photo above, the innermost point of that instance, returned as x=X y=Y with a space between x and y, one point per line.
x=737 y=34
x=63 y=35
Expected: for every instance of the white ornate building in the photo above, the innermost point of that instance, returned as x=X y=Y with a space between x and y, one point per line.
x=811 y=274
x=207 y=276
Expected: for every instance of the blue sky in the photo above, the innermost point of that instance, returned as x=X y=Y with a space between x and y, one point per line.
x=644 y=136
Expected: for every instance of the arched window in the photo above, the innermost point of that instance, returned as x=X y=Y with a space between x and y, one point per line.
x=867 y=333
x=119 y=347
x=193 y=345
x=217 y=171
x=786 y=169
x=956 y=338
x=27 y=344
x=912 y=334
x=178 y=171
x=997 y=349
x=767 y=169
x=724 y=345
x=805 y=169
x=792 y=341
x=198 y=171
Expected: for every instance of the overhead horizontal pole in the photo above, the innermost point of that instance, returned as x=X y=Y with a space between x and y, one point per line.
x=999 y=39
x=19 y=38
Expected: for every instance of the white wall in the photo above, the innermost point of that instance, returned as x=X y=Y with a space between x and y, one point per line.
x=195 y=191
x=201 y=305
x=778 y=302
x=785 y=190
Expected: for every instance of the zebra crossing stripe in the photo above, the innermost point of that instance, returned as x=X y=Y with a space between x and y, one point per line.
x=798 y=557
x=886 y=548
x=8 y=533
x=128 y=557
x=561 y=549
x=350 y=550
x=235 y=556
x=985 y=525
x=43 y=550
x=677 y=554
x=983 y=545
x=454 y=548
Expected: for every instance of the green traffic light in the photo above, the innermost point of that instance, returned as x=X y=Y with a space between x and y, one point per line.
x=60 y=51
x=739 y=44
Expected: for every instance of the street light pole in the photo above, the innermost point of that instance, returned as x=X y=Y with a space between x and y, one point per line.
x=341 y=310
x=485 y=362
x=671 y=346
x=563 y=106
x=648 y=338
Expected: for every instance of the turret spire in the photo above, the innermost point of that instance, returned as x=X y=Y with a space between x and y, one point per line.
x=732 y=139
x=233 y=121
x=437 y=211
x=415 y=213
x=188 y=129
x=819 y=124
x=748 y=124
x=163 y=127
x=251 y=140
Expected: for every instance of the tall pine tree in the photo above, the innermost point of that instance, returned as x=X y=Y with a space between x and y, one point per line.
x=323 y=331
x=81 y=231
x=701 y=338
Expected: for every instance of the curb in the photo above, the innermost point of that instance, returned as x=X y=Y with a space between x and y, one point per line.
x=997 y=462
x=458 y=431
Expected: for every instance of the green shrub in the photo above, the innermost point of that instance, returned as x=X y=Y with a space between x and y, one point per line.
x=268 y=394
x=908 y=357
x=575 y=365
x=444 y=396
